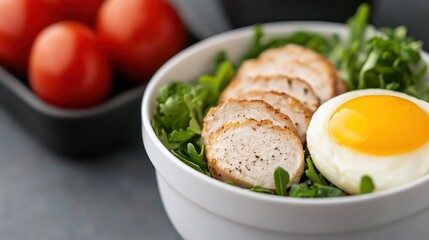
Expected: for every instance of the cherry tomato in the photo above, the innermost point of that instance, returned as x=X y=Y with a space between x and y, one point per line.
x=140 y=35
x=67 y=67
x=20 y=22
x=80 y=10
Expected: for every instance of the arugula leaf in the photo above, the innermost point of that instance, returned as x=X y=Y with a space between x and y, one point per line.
x=349 y=54
x=357 y=24
x=369 y=65
x=312 y=173
x=323 y=44
x=328 y=191
x=316 y=185
x=320 y=43
x=186 y=160
x=216 y=83
x=256 y=46
x=162 y=134
x=191 y=157
x=174 y=115
x=281 y=179
x=420 y=90
x=366 y=185
x=181 y=135
x=261 y=190
x=309 y=189
x=220 y=58
x=303 y=190
x=230 y=183
x=194 y=100
x=390 y=60
x=197 y=157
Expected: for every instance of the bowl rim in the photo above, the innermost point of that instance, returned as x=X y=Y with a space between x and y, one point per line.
x=150 y=93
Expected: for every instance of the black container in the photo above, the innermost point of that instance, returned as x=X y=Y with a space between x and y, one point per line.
x=75 y=133
x=248 y=12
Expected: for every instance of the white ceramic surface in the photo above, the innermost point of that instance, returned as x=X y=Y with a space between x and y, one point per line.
x=201 y=207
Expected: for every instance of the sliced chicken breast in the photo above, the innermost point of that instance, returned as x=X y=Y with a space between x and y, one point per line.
x=294 y=109
x=281 y=83
x=247 y=153
x=301 y=62
x=238 y=110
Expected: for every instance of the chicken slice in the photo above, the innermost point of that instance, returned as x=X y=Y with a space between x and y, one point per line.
x=246 y=153
x=238 y=110
x=294 y=87
x=297 y=61
x=294 y=109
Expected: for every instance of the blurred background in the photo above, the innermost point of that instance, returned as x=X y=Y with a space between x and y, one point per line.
x=48 y=196
x=205 y=18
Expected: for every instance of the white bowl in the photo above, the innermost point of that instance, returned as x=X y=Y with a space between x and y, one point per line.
x=201 y=207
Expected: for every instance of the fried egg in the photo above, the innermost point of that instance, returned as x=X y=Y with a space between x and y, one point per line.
x=379 y=133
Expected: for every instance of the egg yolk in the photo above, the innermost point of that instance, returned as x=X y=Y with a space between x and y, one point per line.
x=380 y=125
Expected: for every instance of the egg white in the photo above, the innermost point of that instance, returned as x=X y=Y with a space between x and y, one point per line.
x=344 y=167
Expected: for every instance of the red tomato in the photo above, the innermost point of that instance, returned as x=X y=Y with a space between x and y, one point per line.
x=20 y=22
x=67 y=67
x=79 y=10
x=140 y=35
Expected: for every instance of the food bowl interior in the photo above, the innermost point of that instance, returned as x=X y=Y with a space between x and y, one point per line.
x=271 y=213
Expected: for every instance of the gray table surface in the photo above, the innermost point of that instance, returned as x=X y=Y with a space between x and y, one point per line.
x=49 y=197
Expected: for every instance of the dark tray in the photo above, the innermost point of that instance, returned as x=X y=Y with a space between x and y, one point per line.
x=76 y=133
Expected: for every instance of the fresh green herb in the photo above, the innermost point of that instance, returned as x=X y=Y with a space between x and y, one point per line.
x=184 y=157
x=216 y=83
x=281 y=179
x=308 y=189
x=390 y=60
x=348 y=54
x=180 y=110
x=230 y=183
x=256 y=46
x=328 y=191
x=303 y=190
x=366 y=185
x=262 y=190
x=320 y=43
x=316 y=185
x=358 y=25
x=312 y=173
x=220 y=58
